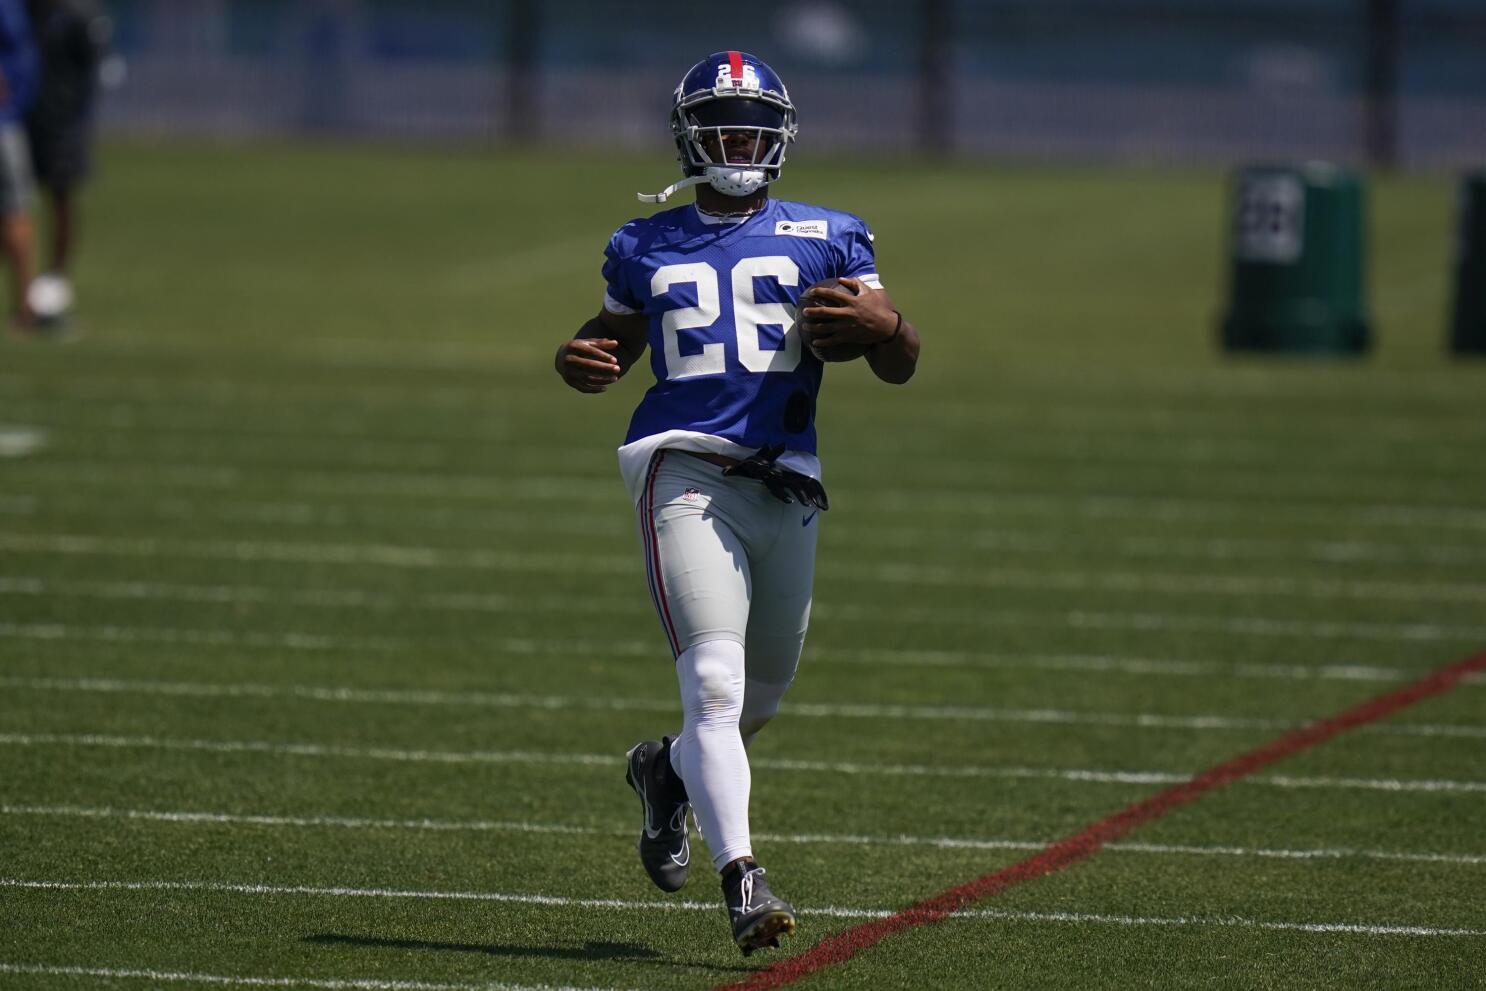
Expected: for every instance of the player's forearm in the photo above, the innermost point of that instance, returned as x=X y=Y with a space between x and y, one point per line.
x=627 y=331
x=624 y=353
x=626 y=356
x=894 y=360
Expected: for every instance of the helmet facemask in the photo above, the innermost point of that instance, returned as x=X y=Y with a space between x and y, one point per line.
x=736 y=142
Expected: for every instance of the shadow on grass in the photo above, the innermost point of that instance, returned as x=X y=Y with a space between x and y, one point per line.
x=626 y=952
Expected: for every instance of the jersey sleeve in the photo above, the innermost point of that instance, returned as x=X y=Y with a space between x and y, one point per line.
x=619 y=297
x=859 y=261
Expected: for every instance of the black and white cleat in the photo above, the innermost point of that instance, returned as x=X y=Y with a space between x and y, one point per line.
x=759 y=917
x=665 y=849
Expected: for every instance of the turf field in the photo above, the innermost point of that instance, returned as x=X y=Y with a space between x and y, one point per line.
x=324 y=624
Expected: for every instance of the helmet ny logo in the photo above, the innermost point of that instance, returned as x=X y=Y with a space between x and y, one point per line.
x=748 y=79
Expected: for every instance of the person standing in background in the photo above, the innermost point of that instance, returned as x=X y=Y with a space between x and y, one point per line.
x=72 y=39
x=18 y=72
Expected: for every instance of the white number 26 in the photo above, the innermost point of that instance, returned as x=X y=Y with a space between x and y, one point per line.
x=748 y=314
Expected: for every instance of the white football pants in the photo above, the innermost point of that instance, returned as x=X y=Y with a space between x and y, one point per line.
x=730 y=569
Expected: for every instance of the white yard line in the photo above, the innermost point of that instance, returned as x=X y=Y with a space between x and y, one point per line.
x=294 y=640
x=830 y=911
x=387 y=555
x=342 y=597
x=1081 y=467
x=839 y=839
x=1178 y=410
x=1158 y=622
x=561 y=489
x=1125 y=665
x=876 y=712
x=1224 y=586
x=271 y=455
x=153 y=420
x=989 y=502
x=1234 y=922
x=404 y=518
x=199 y=638
x=604 y=489
x=585 y=649
x=1109 y=580
x=125 y=431
x=239 y=980
x=229 y=393
x=504 y=604
x=1230 y=441
x=534 y=758
x=1263 y=626
x=913 y=537
x=306 y=822
x=1335 y=551
x=409 y=556
x=421 y=556
x=330 y=598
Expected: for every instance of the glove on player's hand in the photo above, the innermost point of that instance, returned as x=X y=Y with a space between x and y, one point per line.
x=782 y=482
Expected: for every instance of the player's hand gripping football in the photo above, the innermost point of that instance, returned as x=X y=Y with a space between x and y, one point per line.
x=588 y=364
x=862 y=316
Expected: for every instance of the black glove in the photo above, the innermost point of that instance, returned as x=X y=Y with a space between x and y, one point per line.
x=782 y=482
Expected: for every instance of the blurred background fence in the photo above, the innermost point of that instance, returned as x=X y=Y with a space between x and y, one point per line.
x=1217 y=81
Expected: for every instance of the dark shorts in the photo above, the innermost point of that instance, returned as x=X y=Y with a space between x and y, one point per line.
x=61 y=154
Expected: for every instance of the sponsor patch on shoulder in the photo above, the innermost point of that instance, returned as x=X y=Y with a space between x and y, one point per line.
x=803 y=228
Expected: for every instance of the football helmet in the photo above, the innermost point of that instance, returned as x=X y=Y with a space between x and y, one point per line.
x=732 y=120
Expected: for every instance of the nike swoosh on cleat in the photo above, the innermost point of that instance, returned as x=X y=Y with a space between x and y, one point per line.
x=682 y=857
x=650 y=833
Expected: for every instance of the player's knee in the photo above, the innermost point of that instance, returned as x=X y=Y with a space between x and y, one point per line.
x=712 y=678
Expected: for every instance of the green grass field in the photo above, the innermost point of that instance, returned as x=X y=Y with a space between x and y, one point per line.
x=323 y=624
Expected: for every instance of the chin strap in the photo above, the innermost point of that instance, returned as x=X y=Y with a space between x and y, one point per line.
x=665 y=194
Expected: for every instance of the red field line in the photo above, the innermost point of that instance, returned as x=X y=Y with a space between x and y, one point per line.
x=1083 y=844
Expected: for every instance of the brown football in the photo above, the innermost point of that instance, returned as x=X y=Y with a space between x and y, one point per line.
x=838 y=352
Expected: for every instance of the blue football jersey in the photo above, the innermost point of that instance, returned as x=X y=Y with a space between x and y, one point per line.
x=721 y=298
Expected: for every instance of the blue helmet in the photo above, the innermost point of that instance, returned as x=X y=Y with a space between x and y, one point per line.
x=730 y=92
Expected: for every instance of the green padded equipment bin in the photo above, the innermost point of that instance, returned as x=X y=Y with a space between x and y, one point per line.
x=1297 y=262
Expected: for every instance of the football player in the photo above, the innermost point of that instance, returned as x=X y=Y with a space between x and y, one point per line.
x=720 y=457
x=73 y=38
x=18 y=71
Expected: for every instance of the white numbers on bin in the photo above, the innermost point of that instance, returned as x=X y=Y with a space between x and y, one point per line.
x=1270 y=225
x=748 y=316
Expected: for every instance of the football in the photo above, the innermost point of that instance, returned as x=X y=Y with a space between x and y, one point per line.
x=838 y=352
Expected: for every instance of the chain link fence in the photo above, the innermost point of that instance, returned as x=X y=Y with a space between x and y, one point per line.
x=1163 y=80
